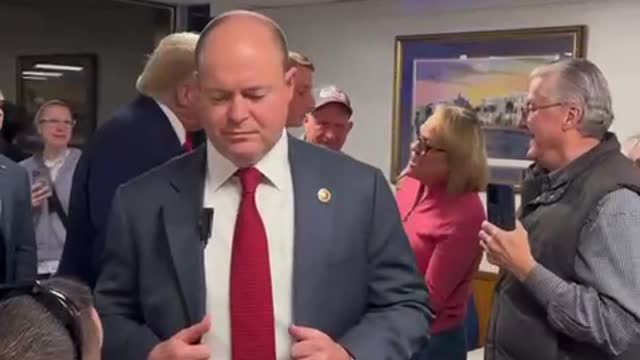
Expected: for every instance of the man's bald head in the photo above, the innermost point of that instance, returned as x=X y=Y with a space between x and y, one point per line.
x=245 y=85
x=246 y=19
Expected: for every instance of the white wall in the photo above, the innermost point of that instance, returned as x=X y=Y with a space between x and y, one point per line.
x=352 y=45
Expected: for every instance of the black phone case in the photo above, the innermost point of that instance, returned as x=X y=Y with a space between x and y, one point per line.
x=501 y=207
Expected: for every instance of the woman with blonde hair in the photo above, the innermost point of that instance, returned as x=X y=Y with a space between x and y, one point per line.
x=442 y=214
x=51 y=172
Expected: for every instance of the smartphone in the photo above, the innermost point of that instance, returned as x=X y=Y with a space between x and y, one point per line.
x=39 y=180
x=501 y=206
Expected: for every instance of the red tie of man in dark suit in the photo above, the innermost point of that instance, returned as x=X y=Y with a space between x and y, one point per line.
x=251 y=300
x=187 y=145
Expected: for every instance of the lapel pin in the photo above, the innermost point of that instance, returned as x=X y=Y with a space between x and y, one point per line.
x=324 y=195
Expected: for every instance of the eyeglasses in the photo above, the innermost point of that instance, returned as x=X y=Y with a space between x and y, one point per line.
x=424 y=146
x=57 y=122
x=531 y=108
x=56 y=303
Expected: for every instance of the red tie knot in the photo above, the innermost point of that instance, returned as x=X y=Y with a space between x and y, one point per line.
x=188 y=143
x=249 y=178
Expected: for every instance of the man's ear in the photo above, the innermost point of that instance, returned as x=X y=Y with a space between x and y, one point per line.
x=290 y=76
x=183 y=95
x=290 y=81
x=187 y=92
x=308 y=118
x=574 y=116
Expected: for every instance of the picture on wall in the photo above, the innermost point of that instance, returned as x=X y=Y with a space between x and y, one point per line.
x=70 y=78
x=485 y=71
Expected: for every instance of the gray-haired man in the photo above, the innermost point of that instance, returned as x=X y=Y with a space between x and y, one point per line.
x=570 y=287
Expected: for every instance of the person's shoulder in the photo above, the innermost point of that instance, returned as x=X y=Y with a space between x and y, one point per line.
x=407 y=185
x=472 y=200
x=8 y=164
x=467 y=210
x=338 y=161
x=160 y=175
x=28 y=162
x=12 y=168
x=121 y=119
x=124 y=132
x=619 y=202
x=75 y=153
x=128 y=117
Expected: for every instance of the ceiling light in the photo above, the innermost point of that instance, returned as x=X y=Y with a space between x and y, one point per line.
x=42 y=73
x=58 y=67
x=34 y=78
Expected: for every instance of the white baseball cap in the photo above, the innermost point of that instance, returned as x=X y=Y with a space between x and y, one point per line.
x=332 y=94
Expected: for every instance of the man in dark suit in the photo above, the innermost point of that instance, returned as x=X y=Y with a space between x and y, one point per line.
x=304 y=256
x=18 y=256
x=152 y=129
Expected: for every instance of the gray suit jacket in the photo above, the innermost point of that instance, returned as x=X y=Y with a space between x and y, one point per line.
x=20 y=255
x=354 y=276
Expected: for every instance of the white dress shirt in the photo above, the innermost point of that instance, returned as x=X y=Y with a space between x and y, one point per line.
x=177 y=126
x=274 y=198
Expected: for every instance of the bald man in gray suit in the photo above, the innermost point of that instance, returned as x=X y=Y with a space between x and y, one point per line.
x=306 y=258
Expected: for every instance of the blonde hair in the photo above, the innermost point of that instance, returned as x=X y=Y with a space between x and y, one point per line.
x=297 y=59
x=459 y=132
x=172 y=62
x=47 y=104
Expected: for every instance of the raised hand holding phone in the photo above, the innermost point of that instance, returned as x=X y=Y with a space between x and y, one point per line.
x=504 y=239
x=40 y=190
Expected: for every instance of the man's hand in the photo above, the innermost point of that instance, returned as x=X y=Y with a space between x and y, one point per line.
x=312 y=344
x=508 y=249
x=185 y=345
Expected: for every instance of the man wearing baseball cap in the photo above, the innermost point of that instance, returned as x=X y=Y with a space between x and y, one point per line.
x=330 y=121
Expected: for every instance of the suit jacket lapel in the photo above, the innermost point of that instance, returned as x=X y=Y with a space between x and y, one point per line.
x=181 y=214
x=312 y=234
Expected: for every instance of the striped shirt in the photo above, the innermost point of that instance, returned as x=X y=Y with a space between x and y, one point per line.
x=603 y=307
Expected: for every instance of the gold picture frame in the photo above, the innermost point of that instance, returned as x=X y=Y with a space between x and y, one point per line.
x=419 y=58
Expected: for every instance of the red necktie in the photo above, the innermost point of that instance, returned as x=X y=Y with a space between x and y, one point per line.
x=188 y=143
x=251 y=300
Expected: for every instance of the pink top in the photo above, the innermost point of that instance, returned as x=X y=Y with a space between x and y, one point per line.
x=443 y=231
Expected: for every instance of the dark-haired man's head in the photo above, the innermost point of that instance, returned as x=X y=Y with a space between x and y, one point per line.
x=31 y=331
x=245 y=83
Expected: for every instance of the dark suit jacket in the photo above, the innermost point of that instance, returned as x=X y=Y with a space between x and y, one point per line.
x=354 y=274
x=137 y=138
x=16 y=224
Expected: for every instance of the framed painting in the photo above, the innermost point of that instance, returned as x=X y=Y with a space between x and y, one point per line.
x=71 y=78
x=486 y=71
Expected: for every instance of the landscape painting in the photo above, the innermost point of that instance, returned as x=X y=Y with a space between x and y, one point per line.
x=496 y=88
x=485 y=71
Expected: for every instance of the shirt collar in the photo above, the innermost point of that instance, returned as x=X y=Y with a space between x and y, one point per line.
x=56 y=161
x=274 y=165
x=177 y=126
